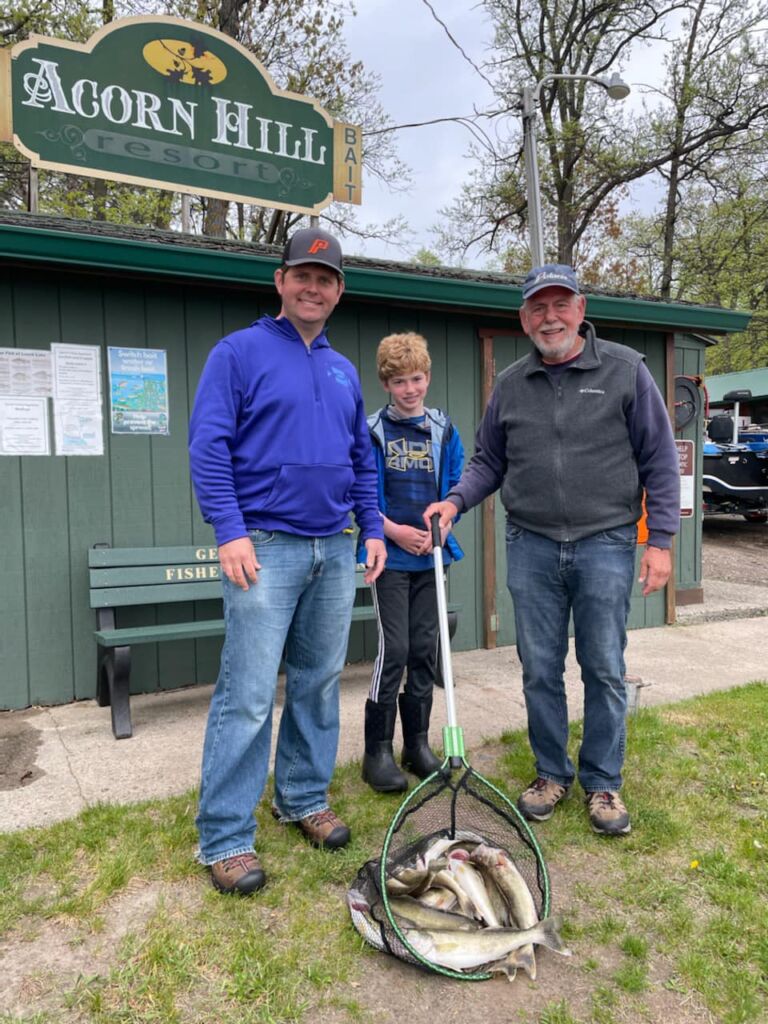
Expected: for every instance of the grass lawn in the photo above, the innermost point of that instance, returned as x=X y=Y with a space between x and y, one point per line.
x=106 y=918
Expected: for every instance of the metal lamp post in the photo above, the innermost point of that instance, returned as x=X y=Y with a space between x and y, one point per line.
x=616 y=88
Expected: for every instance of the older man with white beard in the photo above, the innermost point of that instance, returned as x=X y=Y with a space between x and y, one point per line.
x=573 y=434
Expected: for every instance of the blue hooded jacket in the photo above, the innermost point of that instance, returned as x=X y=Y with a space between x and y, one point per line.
x=278 y=438
x=448 y=456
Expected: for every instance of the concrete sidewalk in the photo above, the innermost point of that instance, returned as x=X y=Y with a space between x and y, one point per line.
x=54 y=762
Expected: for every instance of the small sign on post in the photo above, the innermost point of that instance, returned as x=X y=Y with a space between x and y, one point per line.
x=685 y=454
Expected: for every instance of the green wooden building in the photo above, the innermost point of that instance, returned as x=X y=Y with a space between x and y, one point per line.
x=101 y=285
x=756 y=381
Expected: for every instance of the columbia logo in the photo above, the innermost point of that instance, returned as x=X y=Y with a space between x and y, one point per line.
x=591 y=391
x=544 y=276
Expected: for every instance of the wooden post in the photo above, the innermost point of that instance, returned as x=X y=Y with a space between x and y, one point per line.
x=185 y=213
x=488 y=514
x=33 y=190
x=671 y=607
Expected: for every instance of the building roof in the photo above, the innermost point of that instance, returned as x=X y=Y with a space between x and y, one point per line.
x=151 y=252
x=755 y=380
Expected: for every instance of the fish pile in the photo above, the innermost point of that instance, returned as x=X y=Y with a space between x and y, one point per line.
x=462 y=904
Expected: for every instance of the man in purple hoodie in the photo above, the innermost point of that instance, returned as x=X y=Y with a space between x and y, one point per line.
x=573 y=434
x=280 y=455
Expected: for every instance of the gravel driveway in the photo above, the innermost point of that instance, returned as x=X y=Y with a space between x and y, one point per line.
x=735 y=551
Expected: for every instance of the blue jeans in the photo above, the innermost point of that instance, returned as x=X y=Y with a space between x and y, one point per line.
x=592 y=578
x=299 y=609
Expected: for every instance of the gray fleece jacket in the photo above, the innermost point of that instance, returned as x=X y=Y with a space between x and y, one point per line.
x=572 y=450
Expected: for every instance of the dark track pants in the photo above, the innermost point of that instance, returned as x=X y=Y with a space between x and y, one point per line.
x=406 y=610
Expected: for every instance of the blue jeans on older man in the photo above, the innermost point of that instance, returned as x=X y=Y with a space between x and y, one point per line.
x=591 y=578
x=299 y=609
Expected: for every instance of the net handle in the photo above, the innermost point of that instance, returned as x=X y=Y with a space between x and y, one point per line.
x=445 y=635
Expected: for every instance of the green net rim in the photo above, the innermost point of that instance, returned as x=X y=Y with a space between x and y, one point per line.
x=524 y=827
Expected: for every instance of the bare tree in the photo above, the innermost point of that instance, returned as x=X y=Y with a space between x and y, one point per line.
x=586 y=155
x=715 y=93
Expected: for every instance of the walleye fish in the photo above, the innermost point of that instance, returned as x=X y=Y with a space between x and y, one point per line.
x=471 y=881
x=466 y=950
x=510 y=883
x=467 y=840
x=407 y=909
x=504 y=876
x=446 y=880
x=438 y=897
x=360 y=912
x=407 y=880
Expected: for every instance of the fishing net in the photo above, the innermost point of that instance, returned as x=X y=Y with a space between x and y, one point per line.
x=454 y=803
x=450 y=805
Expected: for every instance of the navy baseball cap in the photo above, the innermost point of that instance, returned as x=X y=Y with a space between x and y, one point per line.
x=313 y=245
x=551 y=275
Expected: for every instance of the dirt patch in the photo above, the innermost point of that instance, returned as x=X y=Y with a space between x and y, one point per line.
x=38 y=963
x=19 y=745
x=734 y=550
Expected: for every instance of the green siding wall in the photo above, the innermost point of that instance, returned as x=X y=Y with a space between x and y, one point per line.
x=54 y=508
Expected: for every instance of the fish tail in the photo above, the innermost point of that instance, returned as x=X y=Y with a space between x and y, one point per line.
x=550 y=938
x=527 y=961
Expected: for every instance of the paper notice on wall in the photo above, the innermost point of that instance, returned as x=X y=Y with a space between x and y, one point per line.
x=77 y=428
x=25 y=371
x=24 y=428
x=76 y=372
x=77 y=399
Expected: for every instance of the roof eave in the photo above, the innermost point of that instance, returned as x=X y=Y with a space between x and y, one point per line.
x=44 y=245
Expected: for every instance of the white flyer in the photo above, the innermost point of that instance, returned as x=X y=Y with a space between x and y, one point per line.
x=78 y=428
x=76 y=372
x=25 y=371
x=24 y=426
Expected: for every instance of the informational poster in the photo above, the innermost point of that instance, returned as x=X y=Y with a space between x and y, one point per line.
x=685 y=453
x=138 y=390
x=25 y=371
x=77 y=400
x=78 y=428
x=24 y=426
x=76 y=372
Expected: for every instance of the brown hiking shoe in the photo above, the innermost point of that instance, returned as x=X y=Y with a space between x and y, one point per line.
x=538 y=802
x=323 y=829
x=607 y=813
x=241 y=874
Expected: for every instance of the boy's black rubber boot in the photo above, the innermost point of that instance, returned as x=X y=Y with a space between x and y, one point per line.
x=379 y=768
x=417 y=756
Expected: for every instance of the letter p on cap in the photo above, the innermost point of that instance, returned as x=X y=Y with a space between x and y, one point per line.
x=317 y=246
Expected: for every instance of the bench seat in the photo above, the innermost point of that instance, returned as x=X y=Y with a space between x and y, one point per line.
x=136 y=577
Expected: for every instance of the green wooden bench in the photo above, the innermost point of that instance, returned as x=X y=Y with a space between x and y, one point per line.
x=132 y=577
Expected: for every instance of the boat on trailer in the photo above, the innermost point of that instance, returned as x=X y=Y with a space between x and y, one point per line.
x=735 y=465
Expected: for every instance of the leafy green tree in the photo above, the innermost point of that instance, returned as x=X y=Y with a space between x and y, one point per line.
x=722 y=255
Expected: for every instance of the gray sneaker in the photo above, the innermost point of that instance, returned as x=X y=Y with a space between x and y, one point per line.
x=538 y=802
x=607 y=814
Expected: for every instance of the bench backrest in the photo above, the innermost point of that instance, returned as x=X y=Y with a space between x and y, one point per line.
x=121 y=577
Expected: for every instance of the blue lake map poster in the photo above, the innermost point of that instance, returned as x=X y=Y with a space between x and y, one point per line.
x=138 y=390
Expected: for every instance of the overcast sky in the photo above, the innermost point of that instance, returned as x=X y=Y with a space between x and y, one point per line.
x=424 y=76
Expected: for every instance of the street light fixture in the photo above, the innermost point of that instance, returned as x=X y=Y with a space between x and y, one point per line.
x=616 y=88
